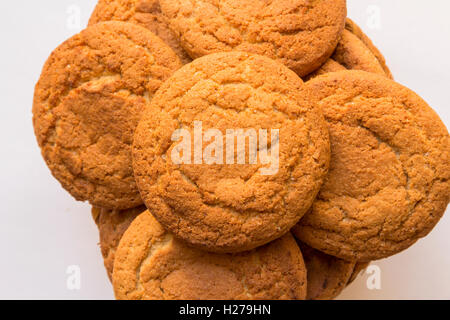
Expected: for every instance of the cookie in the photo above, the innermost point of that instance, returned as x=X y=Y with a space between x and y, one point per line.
x=353 y=54
x=153 y=265
x=302 y=35
x=216 y=199
x=351 y=26
x=112 y=224
x=355 y=51
x=359 y=268
x=388 y=181
x=146 y=13
x=88 y=102
x=328 y=276
x=329 y=66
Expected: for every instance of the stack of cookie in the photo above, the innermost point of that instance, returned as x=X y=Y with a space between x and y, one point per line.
x=239 y=149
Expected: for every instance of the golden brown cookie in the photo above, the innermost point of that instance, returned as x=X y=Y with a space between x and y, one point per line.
x=327 y=275
x=223 y=206
x=355 y=51
x=301 y=34
x=351 y=26
x=88 y=102
x=112 y=224
x=153 y=265
x=146 y=13
x=353 y=54
x=388 y=181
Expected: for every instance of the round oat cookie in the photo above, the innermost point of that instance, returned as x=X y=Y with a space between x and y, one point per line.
x=112 y=224
x=388 y=183
x=153 y=265
x=302 y=35
x=351 y=26
x=209 y=199
x=88 y=102
x=327 y=276
x=146 y=13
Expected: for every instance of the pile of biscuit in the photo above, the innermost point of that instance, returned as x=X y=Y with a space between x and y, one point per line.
x=355 y=166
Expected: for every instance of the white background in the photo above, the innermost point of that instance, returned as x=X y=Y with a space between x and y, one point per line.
x=43 y=230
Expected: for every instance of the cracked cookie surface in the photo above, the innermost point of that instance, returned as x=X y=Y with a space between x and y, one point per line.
x=88 y=102
x=153 y=265
x=146 y=13
x=300 y=34
x=231 y=207
x=388 y=181
x=112 y=224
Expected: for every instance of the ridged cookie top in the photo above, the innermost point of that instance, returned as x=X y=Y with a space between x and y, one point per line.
x=88 y=102
x=225 y=207
x=388 y=183
x=301 y=34
x=146 y=13
x=152 y=265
